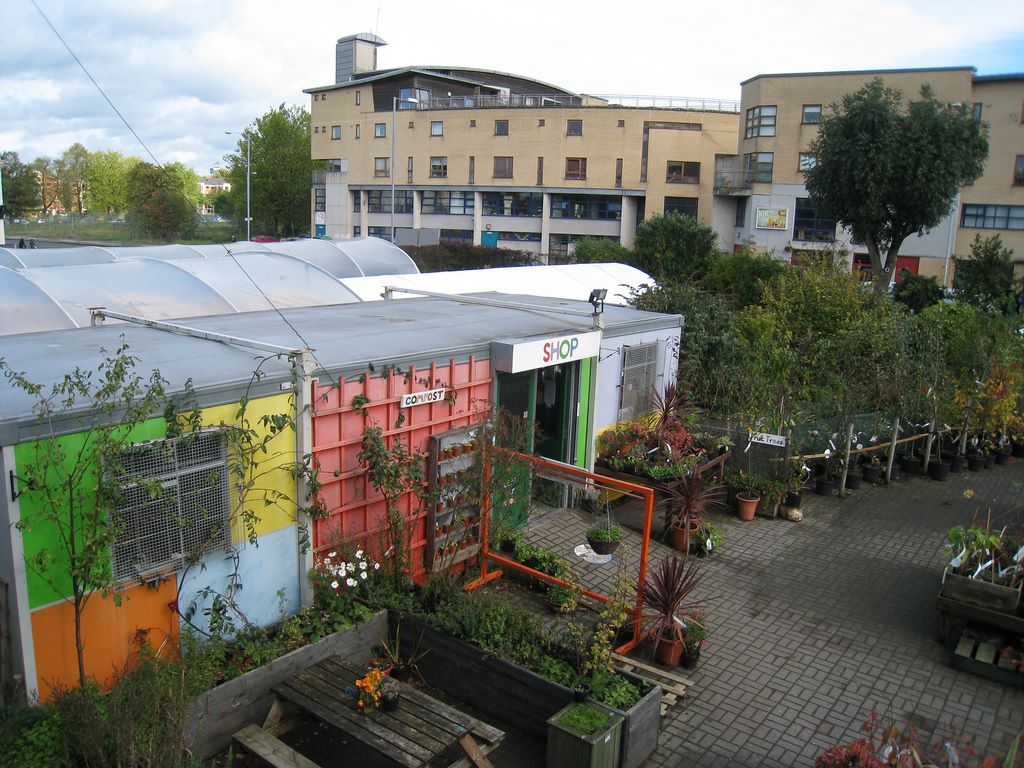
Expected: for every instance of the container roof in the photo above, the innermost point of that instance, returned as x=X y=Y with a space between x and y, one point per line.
x=415 y=331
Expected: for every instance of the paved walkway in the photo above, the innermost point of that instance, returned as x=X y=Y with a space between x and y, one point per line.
x=817 y=623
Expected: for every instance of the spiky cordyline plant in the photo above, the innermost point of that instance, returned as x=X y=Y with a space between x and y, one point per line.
x=668 y=586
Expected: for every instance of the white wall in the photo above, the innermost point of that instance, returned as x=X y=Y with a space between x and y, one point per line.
x=609 y=370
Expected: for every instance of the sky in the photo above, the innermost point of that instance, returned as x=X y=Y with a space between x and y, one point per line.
x=183 y=72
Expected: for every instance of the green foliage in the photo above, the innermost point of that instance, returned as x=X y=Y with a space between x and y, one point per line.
x=31 y=737
x=162 y=201
x=888 y=170
x=674 y=247
x=71 y=169
x=615 y=691
x=584 y=718
x=281 y=168
x=740 y=277
x=20 y=186
x=556 y=670
x=917 y=291
x=106 y=179
x=591 y=250
x=985 y=278
x=448 y=257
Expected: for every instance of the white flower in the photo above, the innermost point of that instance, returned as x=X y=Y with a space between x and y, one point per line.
x=362 y=566
x=334 y=585
x=362 y=575
x=376 y=566
x=359 y=553
x=350 y=582
x=332 y=554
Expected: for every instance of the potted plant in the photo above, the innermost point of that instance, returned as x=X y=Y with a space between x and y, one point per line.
x=696 y=637
x=794 y=485
x=684 y=505
x=604 y=536
x=668 y=586
x=871 y=469
x=709 y=539
x=748 y=494
x=584 y=736
x=389 y=694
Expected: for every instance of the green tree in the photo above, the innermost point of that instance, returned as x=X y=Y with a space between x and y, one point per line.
x=985 y=278
x=223 y=203
x=162 y=201
x=674 y=247
x=20 y=186
x=46 y=176
x=917 y=291
x=888 y=171
x=107 y=181
x=591 y=250
x=71 y=169
x=740 y=277
x=281 y=169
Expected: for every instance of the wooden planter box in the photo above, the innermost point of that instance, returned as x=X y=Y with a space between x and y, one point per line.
x=983 y=594
x=570 y=748
x=505 y=691
x=221 y=711
x=717 y=463
x=641 y=725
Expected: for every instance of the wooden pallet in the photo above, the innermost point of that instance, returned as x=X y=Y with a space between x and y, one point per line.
x=673 y=685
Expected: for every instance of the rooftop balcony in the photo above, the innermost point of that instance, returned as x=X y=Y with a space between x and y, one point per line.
x=548 y=100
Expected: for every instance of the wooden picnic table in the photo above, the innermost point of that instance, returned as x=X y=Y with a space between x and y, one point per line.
x=420 y=731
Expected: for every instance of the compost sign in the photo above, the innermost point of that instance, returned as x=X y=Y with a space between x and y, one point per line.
x=422 y=398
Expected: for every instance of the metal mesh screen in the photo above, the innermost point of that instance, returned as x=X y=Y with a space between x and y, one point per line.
x=176 y=502
x=639 y=376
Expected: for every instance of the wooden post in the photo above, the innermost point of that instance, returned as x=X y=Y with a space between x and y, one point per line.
x=846 y=460
x=892 y=449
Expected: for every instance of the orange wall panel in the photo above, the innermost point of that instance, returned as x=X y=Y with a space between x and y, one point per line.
x=108 y=633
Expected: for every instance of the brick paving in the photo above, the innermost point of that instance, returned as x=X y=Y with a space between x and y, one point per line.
x=817 y=623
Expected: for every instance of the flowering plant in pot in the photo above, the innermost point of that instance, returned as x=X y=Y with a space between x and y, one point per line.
x=668 y=586
x=605 y=535
x=685 y=503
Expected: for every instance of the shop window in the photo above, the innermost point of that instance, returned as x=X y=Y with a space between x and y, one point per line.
x=175 y=502
x=761 y=121
x=639 y=380
x=682 y=172
x=807 y=225
x=455 y=202
x=528 y=204
x=576 y=168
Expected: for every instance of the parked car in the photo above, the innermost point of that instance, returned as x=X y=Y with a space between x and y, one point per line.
x=266 y=239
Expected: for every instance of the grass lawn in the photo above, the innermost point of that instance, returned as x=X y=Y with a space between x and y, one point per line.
x=112 y=232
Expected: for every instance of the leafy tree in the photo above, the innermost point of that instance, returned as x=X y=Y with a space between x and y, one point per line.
x=20 y=186
x=162 y=200
x=985 y=278
x=740 y=277
x=71 y=169
x=674 y=247
x=591 y=250
x=281 y=170
x=222 y=201
x=917 y=291
x=107 y=181
x=46 y=175
x=887 y=171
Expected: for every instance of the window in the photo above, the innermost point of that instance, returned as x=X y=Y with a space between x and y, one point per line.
x=359 y=98
x=357 y=130
x=335 y=132
x=639 y=380
x=439 y=167
x=457 y=236
x=323 y=97
x=622 y=123
x=413 y=98
x=1018 y=171
x=757 y=167
x=380 y=130
x=437 y=127
x=576 y=168
x=382 y=232
x=379 y=201
x=501 y=127
x=540 y=123
x=684 y=206
x=357 y=201
x=811 y=114
x=512 y=203
x=993 y=216
x=337 y=166
x=741 y=212
x=680 y=172
x=411 y=125
x=520 y=237
x=472 y=169
x=456 y=202
x=319 y=199
x=408 y=170
x=761 y=121
x=357 y=231
x=316 y=97
x=807 y=225
x=807 y=161
x=618 y=172
x=503 y=167
x=175 y=501
x=604 y=207
x=472 y=123
x=381 y=166
x=976 y=111
x=573 y=127
x=540 y=171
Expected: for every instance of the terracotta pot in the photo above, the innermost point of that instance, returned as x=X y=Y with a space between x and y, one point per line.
x=669 y=652
x=746 y=508
x=683 y=534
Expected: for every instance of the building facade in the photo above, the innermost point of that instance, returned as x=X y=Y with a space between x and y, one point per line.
x=495 y=159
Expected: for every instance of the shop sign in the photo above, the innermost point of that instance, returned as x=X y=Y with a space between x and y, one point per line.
x=516 y=356
x=422 y=398
x=772 y=218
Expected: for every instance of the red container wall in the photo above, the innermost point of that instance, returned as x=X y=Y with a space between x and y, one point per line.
x=356 y=511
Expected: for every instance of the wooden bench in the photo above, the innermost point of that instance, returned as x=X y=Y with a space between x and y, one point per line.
x=270 y=749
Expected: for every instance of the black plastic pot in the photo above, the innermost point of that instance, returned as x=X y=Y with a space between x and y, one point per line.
x=824 y=486
x=911 y=465
x=1002 y=457
x=793 y=499
x=976 y=462
x=956 y=461
x=990 y=460
x=580 y=693
x=938 y=470
x=690 y=659
x=603 y=547
x=1018 y=450
x=852 y=481
x=871 y=474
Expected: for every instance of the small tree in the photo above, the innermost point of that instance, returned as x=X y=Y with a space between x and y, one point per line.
x=887 y=171
x=917 y=291
x=72 y=476
x=591 y=250
x=985 y=278
x=674 y=247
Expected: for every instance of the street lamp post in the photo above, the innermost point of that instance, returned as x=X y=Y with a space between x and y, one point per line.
x=248 y=168
x=395 y=100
